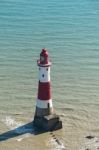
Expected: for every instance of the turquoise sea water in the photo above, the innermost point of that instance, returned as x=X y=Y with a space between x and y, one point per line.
x=70 y=31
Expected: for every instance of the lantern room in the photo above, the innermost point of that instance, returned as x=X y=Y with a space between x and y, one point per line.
x=44 y=58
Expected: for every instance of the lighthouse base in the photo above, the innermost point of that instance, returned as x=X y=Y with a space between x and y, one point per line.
x=48 y=123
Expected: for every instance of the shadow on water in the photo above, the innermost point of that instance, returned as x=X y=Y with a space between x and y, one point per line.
x=21 y=130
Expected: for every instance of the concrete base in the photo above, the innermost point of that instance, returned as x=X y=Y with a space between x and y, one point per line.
x=48 y=123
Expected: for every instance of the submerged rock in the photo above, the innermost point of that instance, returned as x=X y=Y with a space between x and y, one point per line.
x=89 y=137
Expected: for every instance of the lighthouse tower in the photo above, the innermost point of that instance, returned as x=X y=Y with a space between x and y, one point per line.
x=44 y=100
x=44 y=115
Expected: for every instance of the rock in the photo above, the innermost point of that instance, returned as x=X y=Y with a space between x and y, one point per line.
x=89 y=137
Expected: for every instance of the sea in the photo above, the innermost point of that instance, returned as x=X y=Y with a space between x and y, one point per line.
x=69 y=30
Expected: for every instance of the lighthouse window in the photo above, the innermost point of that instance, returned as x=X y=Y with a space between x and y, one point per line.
x=42 y=58
x=43 y=75
x=47 y=69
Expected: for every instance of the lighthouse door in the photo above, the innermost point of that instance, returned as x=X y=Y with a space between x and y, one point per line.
x=48 y=105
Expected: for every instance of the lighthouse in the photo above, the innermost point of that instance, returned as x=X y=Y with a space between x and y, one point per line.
x=45 y=116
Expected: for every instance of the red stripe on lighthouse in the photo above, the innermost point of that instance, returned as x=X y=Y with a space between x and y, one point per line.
x=44 y=91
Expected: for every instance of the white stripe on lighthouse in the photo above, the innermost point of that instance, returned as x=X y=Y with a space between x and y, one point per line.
x=44 y=74
x=44 y=104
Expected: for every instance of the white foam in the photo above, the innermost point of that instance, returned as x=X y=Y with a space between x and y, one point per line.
x=91 y=144
x=11 y=123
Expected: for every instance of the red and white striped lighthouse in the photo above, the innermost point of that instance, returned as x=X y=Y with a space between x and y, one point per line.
x=44 y=100
x=44 y=117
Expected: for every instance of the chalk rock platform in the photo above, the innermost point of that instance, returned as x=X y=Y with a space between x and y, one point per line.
x=91 y=143
x=48 y=123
